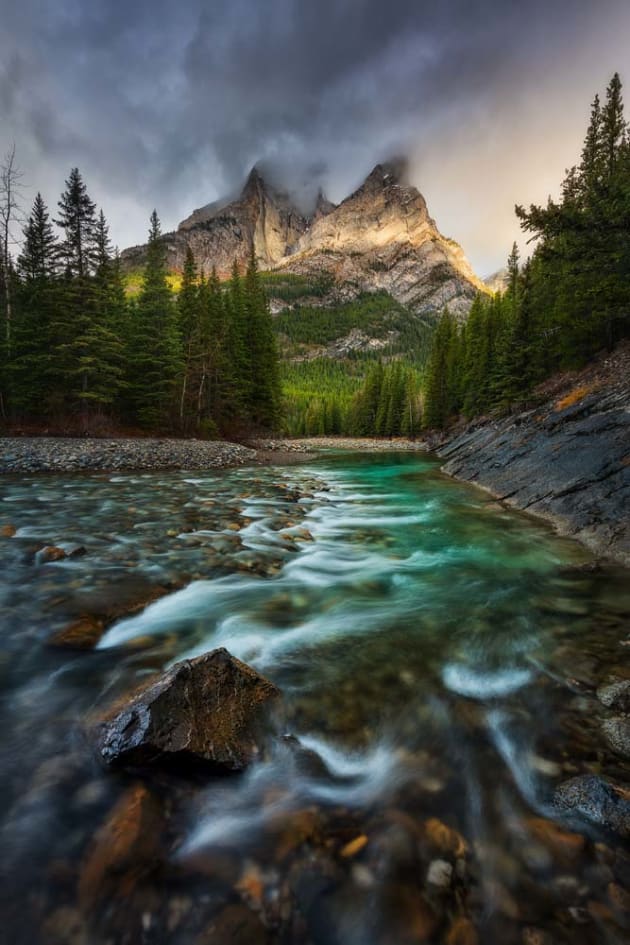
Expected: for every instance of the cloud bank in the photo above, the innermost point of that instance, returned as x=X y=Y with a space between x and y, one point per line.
x=169 y=105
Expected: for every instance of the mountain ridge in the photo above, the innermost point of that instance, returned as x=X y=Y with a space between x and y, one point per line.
x=379 y=238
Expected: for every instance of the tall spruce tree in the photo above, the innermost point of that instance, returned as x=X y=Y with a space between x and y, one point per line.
x=77 y=218
x=189 y=314
x=438 y=397
x=88 y=354
x=154 y=360
x=264 y=387
x=36 y=302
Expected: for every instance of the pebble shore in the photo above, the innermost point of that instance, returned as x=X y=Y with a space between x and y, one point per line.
x=367 y=444
x=62 y=454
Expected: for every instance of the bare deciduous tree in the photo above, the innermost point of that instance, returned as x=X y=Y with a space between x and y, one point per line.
x=10 y=217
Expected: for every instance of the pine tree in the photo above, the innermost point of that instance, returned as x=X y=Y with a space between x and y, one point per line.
x=591 y=164
x=77 y=218
x=513 y=275
x=37 y=261
x=189 y=316
x=613 y=126
x=35 y=311
x=154 y=355
x=366 y=403
x=238 y=376
x=438 y=397
x=215 y=381
x=262 y=354
x=86 y=362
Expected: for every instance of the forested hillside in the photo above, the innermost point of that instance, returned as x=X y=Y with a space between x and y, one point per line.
x=329 y=353
x=570 y=300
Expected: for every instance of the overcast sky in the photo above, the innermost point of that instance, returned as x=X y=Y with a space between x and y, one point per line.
x=168 y=104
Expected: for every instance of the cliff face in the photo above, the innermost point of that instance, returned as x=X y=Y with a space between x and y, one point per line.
x=567 y=459
x=381 y=237
x=260 y=218
x=498 y=281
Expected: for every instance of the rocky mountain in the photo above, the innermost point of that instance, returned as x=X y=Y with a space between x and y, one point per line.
x=260 y=217
x=498 y=281
x=380 y=238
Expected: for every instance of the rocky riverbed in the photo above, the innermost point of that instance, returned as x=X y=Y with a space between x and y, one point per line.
x=445 y=755
x=565 y=458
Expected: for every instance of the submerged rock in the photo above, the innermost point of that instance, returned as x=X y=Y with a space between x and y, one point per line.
x=597 y=800
x=207 y=711
x=237 y=925
x=126 y=847
x=614 y=693
x=81 y=634
x=617 y=734
x=565 y=846
x=51 y=553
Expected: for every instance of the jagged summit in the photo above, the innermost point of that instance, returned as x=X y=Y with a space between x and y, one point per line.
x=394 y=172
x=381 y=237
x=323 y=205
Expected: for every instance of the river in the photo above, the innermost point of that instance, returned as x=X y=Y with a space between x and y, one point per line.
x=437 y=655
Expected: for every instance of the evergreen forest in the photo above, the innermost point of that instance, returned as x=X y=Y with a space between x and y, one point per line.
x=78 y=350
x=569 y=301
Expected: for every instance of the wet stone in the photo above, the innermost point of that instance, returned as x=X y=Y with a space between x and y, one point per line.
x=127 y=847
x=462 y=932
x=597 y=800
x=564 y=846
x=440 y=874
x=614 y=693
x=210 y=711
x=81 y=634
x=534 y=936
x=617 y=734
x=51 y=553
x=443 y=838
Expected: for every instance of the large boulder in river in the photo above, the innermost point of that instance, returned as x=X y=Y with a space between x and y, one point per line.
x=209 y=711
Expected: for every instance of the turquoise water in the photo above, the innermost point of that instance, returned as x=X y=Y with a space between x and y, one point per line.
x=437 y=655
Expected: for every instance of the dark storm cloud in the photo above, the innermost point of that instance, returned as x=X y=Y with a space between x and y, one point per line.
x=170 y=104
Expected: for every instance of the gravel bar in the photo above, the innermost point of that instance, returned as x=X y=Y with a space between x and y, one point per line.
x=61 y=454
x=365 y=444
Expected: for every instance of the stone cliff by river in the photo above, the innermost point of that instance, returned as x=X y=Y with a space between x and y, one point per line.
x=565 y=458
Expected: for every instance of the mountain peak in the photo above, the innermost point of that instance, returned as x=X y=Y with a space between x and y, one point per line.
x=255 y=181
x=323 y=205
x=380 y=238
x=388 y=173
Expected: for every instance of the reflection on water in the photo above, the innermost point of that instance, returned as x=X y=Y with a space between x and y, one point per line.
x=437 y=655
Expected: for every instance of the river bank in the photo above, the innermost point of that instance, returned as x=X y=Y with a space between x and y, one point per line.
x=69 y=454
x=93 y=454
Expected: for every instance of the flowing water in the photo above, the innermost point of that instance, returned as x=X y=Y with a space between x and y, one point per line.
x=437 y=656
